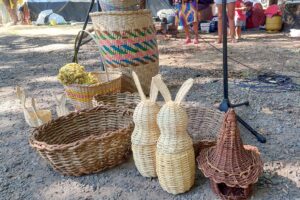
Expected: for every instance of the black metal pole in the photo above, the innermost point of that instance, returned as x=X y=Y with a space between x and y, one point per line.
x=225 y=62
x=84 y=27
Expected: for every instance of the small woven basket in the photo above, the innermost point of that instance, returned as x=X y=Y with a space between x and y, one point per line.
x=110 y=82
x=85 y=142
x=127 y=41
x=119 y=5
x=81 y=96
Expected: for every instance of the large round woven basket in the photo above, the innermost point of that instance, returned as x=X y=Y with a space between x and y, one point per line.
x=127 y=41
x=204 y=122
x=85 y=142
x=204 y=125
x=81 y=96
x=119 y=5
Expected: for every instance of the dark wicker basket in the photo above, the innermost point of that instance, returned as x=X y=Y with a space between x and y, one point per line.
x=85 y=142
x=231 y=193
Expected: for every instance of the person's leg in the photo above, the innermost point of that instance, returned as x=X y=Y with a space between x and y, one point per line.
x=220 y=25
x=12 y=11
x=239 y=32
x=187 y=34
x=195 y=27
x=230 y=14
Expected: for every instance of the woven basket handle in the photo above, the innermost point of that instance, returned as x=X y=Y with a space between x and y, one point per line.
x=154 y=89
x=96 y=42
x=184 y=89
x=40 y=122
x=21 y=96
x=138 y=86
x=162 y=87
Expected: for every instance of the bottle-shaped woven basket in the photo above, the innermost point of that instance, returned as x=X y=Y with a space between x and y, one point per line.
x=127 y=41
x=146 y=131
x=175 y=157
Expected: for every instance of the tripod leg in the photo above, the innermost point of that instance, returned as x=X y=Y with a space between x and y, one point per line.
x=83 y=28
x=240 y=104
x=258 y=136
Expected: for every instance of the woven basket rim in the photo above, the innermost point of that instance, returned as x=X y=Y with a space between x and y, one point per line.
x=41 y=145
x=121 y=13
x=215 y=177
x=96 y=84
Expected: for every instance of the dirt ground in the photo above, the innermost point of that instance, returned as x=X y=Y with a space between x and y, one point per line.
x=30 y=57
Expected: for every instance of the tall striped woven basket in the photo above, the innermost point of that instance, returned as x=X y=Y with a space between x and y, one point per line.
x=127 y=42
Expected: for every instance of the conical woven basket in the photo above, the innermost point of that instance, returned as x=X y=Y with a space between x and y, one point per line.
x=175 y=158
x=146 y=132
x=230 y=162
x=85 y=142
x=127 y=41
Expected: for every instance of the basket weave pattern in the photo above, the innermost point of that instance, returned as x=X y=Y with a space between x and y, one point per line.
x=175 y=158
x=81 y=96
x=203 y=126
x=125 y=99
x=146 y=131
x=85 y=142
x=230 y=162
x=127 y=42
x=117 y=5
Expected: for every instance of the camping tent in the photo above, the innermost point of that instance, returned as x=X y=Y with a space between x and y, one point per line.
x=75 y=10
x=156 y=5
x=71 y=10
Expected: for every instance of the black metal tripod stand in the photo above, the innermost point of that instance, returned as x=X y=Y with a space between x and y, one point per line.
x=225 y=104
x=84 y=27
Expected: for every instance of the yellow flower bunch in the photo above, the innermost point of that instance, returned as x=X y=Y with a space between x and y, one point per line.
x=74 y=73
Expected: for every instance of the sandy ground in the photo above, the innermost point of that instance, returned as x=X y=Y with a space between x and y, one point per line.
x=31 y=58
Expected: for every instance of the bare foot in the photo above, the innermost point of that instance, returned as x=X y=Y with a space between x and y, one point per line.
x=196 y=41
x=218 y=41
x=187 y=41
x=233 y=40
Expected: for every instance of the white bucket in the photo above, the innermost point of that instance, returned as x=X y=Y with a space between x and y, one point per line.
x=204 y=27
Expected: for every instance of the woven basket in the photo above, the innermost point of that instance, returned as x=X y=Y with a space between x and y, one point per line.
x=85 y=142
x=146 y=131
x=119 y=5
x=81 y=96
x=230 y=162
x=231 y=193
x=204 y=125
x=125 y=99
x=204 y=122
x=175 y=157
x=127 y=43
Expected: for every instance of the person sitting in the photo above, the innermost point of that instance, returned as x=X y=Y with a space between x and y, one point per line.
x=187 y=14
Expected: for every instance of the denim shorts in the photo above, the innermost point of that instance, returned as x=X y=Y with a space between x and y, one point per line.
x=239 y=22
x=227 y=1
